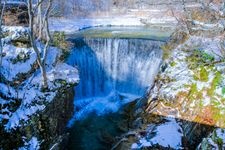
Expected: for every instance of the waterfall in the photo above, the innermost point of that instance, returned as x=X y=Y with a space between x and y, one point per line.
x=118 y=66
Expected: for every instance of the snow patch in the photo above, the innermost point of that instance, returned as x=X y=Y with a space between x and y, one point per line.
x=33 y=144
x=168 y=134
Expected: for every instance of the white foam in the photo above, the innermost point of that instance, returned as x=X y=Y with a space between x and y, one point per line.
x=100 y=105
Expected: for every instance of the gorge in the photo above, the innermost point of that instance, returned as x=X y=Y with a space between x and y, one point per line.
x=133 y=74
x=115 y=69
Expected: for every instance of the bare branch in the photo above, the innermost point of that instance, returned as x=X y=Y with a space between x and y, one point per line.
x=38 y=4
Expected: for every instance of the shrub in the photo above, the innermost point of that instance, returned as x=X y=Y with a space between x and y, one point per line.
x=202 y=75
x=59 y=40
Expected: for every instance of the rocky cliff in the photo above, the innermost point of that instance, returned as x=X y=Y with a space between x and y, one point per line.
x=31 y=118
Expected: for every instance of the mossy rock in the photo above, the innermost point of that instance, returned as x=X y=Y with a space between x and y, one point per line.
x=215 y=82
x=199 y=58
x=59 y=40
x=202 y=74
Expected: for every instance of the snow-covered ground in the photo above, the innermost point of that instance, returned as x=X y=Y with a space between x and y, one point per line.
x=33 y=144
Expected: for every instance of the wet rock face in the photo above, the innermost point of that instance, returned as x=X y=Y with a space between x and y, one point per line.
x=52 y=122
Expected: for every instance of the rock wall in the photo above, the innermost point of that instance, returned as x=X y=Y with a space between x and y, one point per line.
x=47 y=126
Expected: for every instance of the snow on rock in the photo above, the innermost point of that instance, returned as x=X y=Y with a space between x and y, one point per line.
x=33 y=144
x=14 y=33
x=64 y=71
x=209 y=45
x=191 y=87
x=22 y=113
x=33 y=100
x=215 y=141
x=26 y=98
x=168 y=134
x=7 y=90
x=17 y=61
x=18 y=30
x=204 y=26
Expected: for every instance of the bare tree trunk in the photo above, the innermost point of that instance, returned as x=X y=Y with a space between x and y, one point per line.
x=46 y=21
x=1 y=20
x=33 y=44
x=48 y=36
x=184 y=19
x=187 y=17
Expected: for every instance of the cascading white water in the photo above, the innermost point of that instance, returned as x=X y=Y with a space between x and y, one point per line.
x=112 y=69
